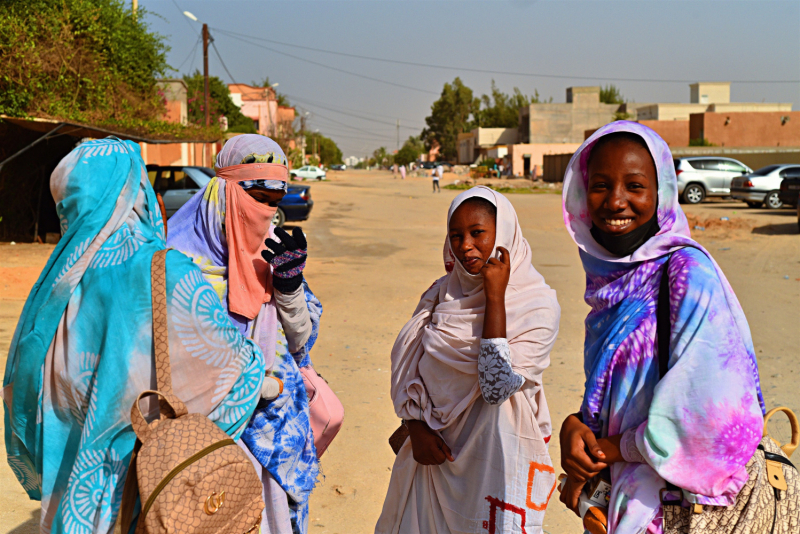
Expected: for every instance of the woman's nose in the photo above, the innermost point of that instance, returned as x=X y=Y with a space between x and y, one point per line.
x=617 y=199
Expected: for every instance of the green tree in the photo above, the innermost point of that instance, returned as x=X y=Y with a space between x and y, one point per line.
x=381 y=156
x=410 y=151
x=84 y=60
x=610 y=94
x=450 y=116
x=502 y=110
x=220 y=103
x=327 y=150
x=282 y=99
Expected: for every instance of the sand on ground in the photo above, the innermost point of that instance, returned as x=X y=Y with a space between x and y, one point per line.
x=375 y=244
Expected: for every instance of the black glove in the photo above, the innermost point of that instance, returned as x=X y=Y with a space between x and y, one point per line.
x=288 y=259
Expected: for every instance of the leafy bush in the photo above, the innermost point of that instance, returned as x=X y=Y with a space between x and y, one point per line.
x=83 y=60
x=220 y=103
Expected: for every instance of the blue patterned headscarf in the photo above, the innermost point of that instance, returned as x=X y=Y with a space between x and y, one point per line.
x=699 y=425
x=83 y=347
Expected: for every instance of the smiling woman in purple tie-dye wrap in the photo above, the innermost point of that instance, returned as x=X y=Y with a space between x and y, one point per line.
x=698 y=426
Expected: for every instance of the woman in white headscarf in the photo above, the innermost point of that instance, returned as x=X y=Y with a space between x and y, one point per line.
x=467 y=382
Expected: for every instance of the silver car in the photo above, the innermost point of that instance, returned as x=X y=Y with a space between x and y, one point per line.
x=763 y=186
x=701 y=177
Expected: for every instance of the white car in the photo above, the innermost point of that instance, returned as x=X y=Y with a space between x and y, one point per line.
x=763 y=186
x=308 y=172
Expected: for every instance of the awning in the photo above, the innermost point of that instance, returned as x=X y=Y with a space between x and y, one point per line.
x=84 y=130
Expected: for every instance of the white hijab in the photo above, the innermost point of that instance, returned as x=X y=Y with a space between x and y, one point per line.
x=449 y=335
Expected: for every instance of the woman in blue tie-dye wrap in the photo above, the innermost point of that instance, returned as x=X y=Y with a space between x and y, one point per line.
x=698 y=426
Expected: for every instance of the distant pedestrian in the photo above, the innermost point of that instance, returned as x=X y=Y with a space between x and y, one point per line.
x=437 y=175
x=402 y=172
x=394 y=170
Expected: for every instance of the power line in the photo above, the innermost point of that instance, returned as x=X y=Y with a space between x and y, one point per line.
x=488 y=71
x=372 y=113
x=223 y=63
x=192 y=52
x=349 y=114
x=327 y=66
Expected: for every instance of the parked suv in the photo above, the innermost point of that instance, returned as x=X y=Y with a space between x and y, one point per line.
x=177 y=184
x=701 y=177
x=763 y=186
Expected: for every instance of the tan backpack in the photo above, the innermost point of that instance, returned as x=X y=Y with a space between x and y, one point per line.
x=192 y=477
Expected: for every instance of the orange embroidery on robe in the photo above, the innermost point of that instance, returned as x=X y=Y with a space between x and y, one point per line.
x=531 y=474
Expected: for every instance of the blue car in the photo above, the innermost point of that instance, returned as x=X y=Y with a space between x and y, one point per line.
x=177 y=184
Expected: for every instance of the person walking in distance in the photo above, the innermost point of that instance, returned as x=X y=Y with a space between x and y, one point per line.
x=437 y=175
x=402 y=172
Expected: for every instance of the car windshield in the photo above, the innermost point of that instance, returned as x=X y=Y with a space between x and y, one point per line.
x=763 y=171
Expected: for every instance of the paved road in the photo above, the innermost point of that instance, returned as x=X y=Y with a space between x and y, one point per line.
x=375 y=245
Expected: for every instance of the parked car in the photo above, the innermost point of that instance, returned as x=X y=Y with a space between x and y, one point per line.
x=763 y=186
x=701 y=177
x=338 y=167
x=790 y=187
x=308 y=172
x=177 y=184
x=428 y=165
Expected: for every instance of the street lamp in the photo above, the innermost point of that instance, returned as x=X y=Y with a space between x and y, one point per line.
x=206 y=39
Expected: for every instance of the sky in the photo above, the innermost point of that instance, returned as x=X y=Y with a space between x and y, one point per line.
x=650 y=49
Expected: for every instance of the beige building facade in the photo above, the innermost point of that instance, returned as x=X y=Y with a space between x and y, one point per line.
x=565 y=123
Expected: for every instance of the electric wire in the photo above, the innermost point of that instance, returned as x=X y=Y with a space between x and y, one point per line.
x=192 y=51
x=487 y=71
x=336 y=69
x=350 y=114
x=186 y=19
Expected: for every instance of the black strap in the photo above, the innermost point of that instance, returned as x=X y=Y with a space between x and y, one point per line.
x=663 y=330
x=663 y=327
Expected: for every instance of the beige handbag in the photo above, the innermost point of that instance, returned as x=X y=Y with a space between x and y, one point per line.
x=769 y=502
x=192 y=477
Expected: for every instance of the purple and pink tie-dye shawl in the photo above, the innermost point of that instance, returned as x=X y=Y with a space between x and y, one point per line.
x=700 y=424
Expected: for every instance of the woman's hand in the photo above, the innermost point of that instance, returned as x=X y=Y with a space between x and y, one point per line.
x=570 y=494
x=427 y=446
x=495 y=280
x=579 y=449
x=496 y=273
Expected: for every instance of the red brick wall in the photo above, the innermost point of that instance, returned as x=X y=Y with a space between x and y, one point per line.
x=675 y=133
x=746 y=128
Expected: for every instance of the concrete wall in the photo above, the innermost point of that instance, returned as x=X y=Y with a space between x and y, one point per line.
x=537 y=153
x=669 y=112
x=710 y=92
x=747 y=129
x=566 y=123
x=466 y=148
x=737 y=107
x=202 y=154
x=489 y=137
x=175 y=95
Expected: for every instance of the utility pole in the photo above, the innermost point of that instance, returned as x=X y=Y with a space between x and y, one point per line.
x=398 y=135
x=206 y=96
x=135 y=7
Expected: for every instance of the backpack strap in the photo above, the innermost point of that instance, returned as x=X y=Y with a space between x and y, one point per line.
x=158 y=287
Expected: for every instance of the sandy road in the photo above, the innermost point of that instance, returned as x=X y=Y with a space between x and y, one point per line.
x=375 y=245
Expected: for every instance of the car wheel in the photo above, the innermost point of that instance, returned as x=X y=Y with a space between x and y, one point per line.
x=772 y=201
x=279 y=219
x=754 y=205
x=694 y=194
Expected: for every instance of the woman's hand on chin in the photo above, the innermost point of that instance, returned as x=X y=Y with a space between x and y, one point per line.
x=428 y=447
x=581 y=456
x=496 y=273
